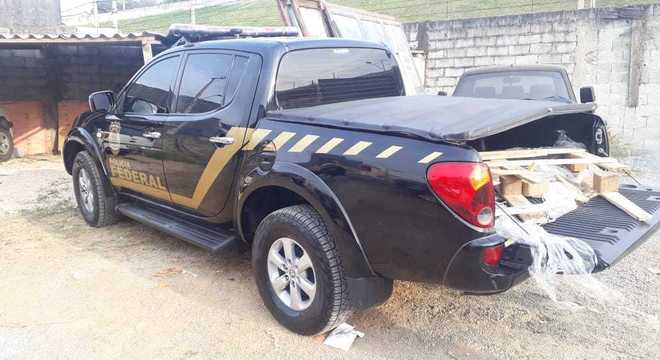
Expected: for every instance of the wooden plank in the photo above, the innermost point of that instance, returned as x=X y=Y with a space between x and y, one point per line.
x=520 y=201
x=626 y=205
x=612 y=166
x=577 y=167
x=534 y=189
x=530 y=162
x=532 y=209
x=522 y=173
x=527 y=153
x=580 y=196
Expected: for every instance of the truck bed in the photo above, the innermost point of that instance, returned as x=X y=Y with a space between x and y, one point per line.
x=434 y=118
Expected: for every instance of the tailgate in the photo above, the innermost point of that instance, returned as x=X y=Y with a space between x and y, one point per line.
x=608 y=230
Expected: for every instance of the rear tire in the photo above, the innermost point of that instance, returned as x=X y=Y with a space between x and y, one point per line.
x=327 y=304
x=6 y=145
x=95 y=201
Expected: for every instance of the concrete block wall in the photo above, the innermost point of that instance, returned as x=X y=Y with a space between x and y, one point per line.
x=85 y=69
x=31 y=102
x=594 y=45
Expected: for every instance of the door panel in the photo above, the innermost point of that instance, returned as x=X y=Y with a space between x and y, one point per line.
x=137 y=166
x=202 y=140
x=133 y=141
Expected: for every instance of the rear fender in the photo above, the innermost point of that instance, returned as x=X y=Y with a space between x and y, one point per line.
x=312 y=189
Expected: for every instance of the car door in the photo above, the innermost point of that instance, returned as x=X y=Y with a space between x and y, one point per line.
x=205 y=133
x=133 y=141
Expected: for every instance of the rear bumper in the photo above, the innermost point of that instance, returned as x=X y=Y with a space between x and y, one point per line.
x=467 y=273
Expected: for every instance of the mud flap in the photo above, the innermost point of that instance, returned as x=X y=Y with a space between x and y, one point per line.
x=608 y=230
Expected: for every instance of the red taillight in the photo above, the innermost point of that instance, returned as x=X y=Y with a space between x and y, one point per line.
x=491 y=256
x=467 y=189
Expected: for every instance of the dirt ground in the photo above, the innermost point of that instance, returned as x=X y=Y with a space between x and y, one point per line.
x=126 y=291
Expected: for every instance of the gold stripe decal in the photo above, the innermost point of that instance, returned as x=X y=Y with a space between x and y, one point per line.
x=430 y=157
x=357 y=148
x=218 y=161
x=255 y=139
x=282 y=139
x=389 y=152
x=303 y=143
x=327 y=147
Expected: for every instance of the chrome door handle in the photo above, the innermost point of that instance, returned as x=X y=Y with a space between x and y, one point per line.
x=152 y=134
x=222 y=140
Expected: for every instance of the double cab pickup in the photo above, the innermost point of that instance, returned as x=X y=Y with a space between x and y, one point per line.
x=309 y=153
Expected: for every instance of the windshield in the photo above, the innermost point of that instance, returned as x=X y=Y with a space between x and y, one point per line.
x=323 y=76
x=527 y=85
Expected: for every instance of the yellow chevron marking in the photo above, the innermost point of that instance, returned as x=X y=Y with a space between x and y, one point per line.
x=282 y=138
x=327 y=147
x=430 y=157
x=303 y=143
x=255 y=138
x=389 y=152
x=357 y=148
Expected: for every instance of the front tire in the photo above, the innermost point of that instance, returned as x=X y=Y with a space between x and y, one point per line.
x=299 y=272
x=95 y=201
x=6 y=145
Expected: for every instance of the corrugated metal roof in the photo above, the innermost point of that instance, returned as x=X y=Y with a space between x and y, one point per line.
x=77 y=37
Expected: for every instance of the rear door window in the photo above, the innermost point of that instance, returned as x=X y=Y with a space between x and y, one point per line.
x=323 y=76
x=209 y=82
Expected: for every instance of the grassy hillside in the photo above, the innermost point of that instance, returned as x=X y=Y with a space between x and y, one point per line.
x=264 y=12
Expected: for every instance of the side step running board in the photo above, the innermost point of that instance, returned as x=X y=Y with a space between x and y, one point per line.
x=210 y=238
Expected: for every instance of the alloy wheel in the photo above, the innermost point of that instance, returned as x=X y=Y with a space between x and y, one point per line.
x=291 y=274
x=86 y=193
x=4 y=144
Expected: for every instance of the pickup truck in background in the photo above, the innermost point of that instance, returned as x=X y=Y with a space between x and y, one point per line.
x=544 y=83
x=308 y=152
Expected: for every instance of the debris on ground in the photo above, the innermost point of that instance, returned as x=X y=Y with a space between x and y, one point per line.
x=343 y=336
x=655 y=271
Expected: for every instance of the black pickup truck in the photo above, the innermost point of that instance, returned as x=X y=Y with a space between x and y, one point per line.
x=308 y=152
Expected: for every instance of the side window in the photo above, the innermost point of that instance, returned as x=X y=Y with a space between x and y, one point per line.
x=152 y=91
x=209 y=82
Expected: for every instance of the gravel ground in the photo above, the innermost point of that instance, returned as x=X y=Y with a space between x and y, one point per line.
x=126 y=291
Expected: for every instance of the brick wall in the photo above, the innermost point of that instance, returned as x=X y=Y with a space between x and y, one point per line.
x=594 y=45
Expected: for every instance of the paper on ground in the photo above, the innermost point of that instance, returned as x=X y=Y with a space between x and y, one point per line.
x=342 y=337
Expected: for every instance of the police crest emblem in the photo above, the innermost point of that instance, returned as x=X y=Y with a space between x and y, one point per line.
x=114 y=137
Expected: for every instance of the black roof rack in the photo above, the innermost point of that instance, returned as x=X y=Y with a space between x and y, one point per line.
x=180 y=34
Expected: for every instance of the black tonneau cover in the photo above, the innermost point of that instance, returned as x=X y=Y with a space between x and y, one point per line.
x=432 y=117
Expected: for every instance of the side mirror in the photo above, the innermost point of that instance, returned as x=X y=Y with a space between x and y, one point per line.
x=587 y=95
x=442 y=93
x=101 y=100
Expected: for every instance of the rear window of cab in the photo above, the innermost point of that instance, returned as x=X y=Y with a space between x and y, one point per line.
x=313 y=77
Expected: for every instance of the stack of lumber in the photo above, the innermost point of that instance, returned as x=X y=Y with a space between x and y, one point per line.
x=523 y=174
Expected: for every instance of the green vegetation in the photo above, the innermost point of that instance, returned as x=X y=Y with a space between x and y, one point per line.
x=265 y=13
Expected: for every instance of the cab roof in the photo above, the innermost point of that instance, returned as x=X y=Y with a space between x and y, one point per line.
x=267 y=45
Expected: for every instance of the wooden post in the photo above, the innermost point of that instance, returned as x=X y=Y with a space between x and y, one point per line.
x=51 y=115
x=147 y=52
